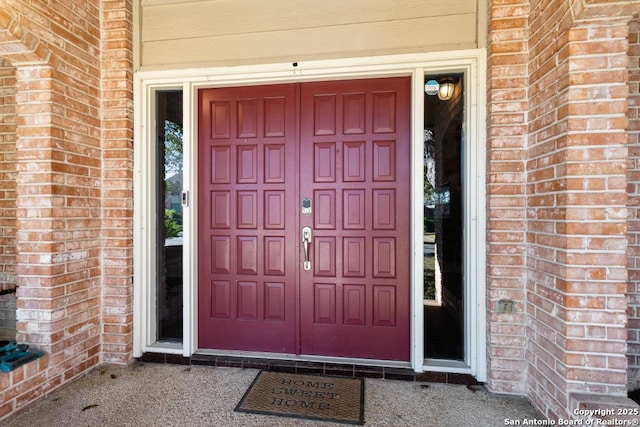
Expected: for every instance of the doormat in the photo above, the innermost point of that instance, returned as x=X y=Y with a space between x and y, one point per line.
x=305 y=396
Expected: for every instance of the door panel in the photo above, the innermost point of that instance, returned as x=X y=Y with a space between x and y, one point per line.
x=345 y=146
x=354 y=159
x=247 y=243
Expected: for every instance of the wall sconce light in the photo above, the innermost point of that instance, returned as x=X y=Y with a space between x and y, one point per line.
x=446 y=89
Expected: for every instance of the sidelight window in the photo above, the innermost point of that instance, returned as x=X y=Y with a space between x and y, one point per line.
x=168 y=209
x=443 y=220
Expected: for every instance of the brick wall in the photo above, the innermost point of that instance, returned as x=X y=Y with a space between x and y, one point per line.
x=506 y=197
x=7 y=176
x=546 y=215
x=576 y=173
x=117 y=190
x=8 y=316
x=72 y=148
x=633 y=187
x=557 y=159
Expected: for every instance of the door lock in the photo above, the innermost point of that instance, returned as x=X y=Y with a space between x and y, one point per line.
x=306 y=240
x=306 y=207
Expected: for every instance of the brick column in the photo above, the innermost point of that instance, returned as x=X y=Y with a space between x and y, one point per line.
x=595 y=202
x=37 y=288
x=506 y=194
x=577 y=158
x=58 y=157
x=633 y=224
x=117 y=193
x=7 y=176
x=58 y=265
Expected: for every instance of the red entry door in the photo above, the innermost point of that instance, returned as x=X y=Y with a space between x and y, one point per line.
x=262 y=151
x=355 y=165
x=247 y=149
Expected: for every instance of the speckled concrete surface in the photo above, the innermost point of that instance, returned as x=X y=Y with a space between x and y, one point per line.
x=171 y=395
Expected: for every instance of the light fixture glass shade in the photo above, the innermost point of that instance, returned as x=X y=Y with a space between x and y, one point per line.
x=445 y=92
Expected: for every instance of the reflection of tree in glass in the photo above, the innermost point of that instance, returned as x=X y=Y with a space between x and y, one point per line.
x=172 y=220
x=173 y=137
x=172 y=147
x=429 y=160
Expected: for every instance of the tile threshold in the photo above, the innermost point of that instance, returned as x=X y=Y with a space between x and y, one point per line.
x=313 y=368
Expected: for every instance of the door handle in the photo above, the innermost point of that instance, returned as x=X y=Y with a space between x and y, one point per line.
x=306 y=239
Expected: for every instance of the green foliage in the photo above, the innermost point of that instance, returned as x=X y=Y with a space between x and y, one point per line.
x=172 y=227
x=173 y=136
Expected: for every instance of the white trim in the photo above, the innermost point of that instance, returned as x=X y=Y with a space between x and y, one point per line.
x=475 y=357
x=478 y=220
x=417 y=211
x=471 y=62
x=165 y=348
x=475 y=219
x=139 y=315
x=335 y=69
x=144 y=219
x=190 y=221
x=444 y=365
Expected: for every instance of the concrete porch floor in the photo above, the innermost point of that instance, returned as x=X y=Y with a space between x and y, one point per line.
x=147 y=394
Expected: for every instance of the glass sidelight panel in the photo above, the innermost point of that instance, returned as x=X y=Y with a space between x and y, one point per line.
x=169 y=176
x=443 y=217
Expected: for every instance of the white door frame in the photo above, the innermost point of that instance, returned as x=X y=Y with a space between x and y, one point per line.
x=470 y=62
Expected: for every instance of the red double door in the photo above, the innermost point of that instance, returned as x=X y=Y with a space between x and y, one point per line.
x=328 y=157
